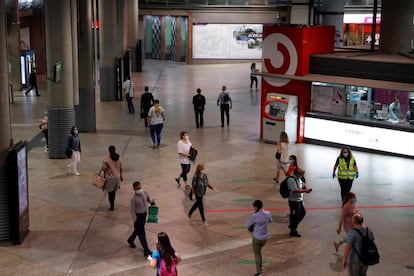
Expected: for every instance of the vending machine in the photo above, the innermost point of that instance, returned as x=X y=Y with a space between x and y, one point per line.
x=280 y=113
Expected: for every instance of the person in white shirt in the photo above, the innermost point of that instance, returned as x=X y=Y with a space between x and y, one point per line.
x=128 y=88
x=183 y=154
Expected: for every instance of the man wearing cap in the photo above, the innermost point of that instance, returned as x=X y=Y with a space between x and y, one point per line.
x=297 y=209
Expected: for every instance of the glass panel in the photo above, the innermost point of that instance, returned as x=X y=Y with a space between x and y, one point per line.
x=183 y=37
x=148 y=36
x=168 y=37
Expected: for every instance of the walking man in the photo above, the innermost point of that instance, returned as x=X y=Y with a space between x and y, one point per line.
x=297 y=209
x=147 y=100
x=353 y=245
x=257 y=225
x=139 y=215
x=199 y=101
x=33 y=83
x=225 y=103
x=129 y=88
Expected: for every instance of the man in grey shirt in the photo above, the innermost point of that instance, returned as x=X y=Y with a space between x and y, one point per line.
x=139 y=215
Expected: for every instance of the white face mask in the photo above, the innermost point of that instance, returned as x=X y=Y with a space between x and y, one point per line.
x=75 y=131
x=345 y=154
x=138 y=191
x=186 y=137
x=291 y=162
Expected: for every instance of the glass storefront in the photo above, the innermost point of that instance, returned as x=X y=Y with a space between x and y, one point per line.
x=363 y=103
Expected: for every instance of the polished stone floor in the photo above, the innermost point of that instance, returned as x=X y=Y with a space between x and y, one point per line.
x=73 y=233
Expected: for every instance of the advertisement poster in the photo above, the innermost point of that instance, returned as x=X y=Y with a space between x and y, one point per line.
x=227 y=41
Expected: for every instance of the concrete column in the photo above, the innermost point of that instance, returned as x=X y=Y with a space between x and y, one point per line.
x=299 y=12
x=332 y=12
x=74 y=26
x=13 y=41
x=110 y=48
x=131 y=29
x=396 y=26
x=5 y=120
x=5 y=125
x=86 y=108
x=58 y=30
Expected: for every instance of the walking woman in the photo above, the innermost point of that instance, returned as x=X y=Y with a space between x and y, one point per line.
x=166 y=254
x=183 y=154
x=347 y=170
x=156 y=120
x=112 y=169
x=73 y=144
x=253 y=77
x=349 y=209
x=199 y=186
x=283 y=161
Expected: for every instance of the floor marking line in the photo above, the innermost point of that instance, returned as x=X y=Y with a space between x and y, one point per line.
x=309 y=208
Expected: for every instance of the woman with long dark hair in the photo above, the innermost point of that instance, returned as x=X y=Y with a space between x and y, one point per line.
x=112 y=169
x=164 y=253
x=347 y=170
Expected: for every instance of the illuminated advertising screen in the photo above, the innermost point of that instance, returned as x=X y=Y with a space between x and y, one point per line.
x=227 y=41
x=22 y=179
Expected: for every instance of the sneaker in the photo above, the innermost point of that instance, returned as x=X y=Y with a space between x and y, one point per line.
x=154 y=146
x=178 y=181
x=76 y=173
x=258 y=274
x=148 y=253
x=336 y=246
x=189 y=216
x=131 y=244
x=261 y=269
x=275 y=181
x=205 y=224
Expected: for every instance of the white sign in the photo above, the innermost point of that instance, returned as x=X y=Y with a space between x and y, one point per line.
x=369 y=137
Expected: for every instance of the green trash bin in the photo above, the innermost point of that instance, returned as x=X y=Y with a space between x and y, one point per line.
x=152 y=214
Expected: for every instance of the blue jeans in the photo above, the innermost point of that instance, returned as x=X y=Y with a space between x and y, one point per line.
x=155 y=131
x=185 y=169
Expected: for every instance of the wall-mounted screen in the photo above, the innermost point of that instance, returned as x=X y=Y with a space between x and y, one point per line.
x=57 y=71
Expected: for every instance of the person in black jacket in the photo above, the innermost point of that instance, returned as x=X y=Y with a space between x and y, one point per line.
x=33 y=83
x=147 y=100
x=199 y=101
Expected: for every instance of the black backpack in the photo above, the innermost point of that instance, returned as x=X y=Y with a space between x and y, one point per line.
x=369 y=252
x=226 y=97
x=284 y=188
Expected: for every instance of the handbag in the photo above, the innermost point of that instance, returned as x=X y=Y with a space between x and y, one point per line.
x=68 y=152
x=152 y=214
x=98 y=181
x=278 y=155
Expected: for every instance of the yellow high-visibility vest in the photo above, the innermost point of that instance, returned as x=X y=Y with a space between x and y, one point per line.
x=345 y=172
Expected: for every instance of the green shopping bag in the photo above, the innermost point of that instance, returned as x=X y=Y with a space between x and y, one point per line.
x=152 y=214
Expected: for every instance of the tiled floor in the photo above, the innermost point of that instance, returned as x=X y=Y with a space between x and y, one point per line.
x=73 y=233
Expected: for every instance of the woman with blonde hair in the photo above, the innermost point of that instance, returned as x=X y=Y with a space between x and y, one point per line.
x=199 y=186
x=283 y=151
x=156 y=120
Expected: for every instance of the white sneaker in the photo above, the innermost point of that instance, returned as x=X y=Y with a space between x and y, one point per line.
x=76 y=173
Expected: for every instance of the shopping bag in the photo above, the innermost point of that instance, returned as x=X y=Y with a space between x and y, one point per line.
x=152 y=214
x=98 y=181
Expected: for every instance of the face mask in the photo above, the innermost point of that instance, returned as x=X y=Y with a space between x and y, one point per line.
x=186 y=137
x=138 y=191
x=291 y=162
x=354 y=200
x=345 y=155
x=203 y=171
x=75 y=131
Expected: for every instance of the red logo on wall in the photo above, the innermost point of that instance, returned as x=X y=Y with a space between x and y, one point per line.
x=279 y=57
